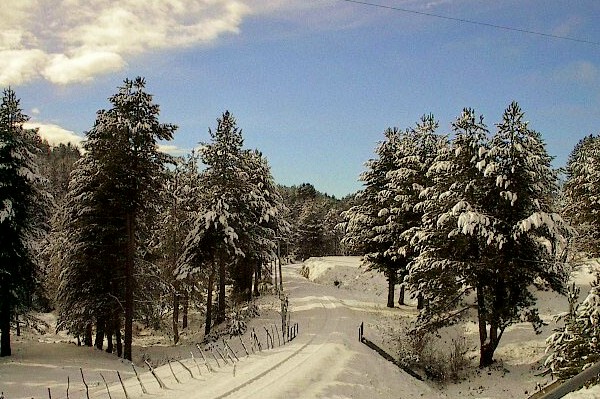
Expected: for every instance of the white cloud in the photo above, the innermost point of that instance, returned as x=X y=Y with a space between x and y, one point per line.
x=19 y=66
x=83 y=67
x=172 y=149
x=55 y=134
x=583 y=72
x=68 y=41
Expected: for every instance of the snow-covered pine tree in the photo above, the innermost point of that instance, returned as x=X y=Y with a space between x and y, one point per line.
x=582 y=196
x=363 y=221
x=310 y=233
x=449 y=249
x=264 y=225
x=24 y=205
x=234 y=218
x=83 y=255
x=126 y=173
x=416 y=150
x=575 y=347
x=489 y=227
x=527 y=233
x=179 y=200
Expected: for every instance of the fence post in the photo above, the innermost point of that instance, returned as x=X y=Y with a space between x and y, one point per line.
x=208 y=367
x=231 y=350
x=361 y=331
x=172 y=372
x=160 y=383
x=122 y=385
x=185 y=367
x=220 y=354
x=107 y=390
x=244 y=346
x=196 y=363
x=87 y=390
x=139 y=379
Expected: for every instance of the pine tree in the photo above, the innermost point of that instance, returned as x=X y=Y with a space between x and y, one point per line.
x=574 y=347
x=238 y=219
x=85 y=253
x=310 y=235
x=448 y=246
x=415 y=153
x=179 y=201
x=120 y=181
x=363 y=221
x=582 y=196
x=24 y=204
x=498 y=214
x=264 y=226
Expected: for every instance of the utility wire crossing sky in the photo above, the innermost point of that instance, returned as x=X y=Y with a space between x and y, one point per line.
x=313 y=84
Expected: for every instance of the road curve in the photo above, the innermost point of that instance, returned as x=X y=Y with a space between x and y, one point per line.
x=324 y=361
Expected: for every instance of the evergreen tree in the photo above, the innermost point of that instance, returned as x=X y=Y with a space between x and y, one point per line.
x=120 y=182
x=489 y=227
x=415 y=153
x=582 y=196
x=24 y=204
x=178 y=203
x=264 y=225
x=310 y=234
x=574 y=347
x=363 y=221
x=238 y=217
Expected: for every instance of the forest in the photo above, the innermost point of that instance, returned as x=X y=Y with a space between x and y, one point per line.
x=117 y=232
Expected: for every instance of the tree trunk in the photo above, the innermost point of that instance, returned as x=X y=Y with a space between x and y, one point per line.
x=109 y=341
x=129 y=286
x=175 y=317
x=486 y=347
x=87 y=339
x=5 y=349
x=209 y=295
x=401 y=295
x=257 y=277
x=186 y=305
x=391 y=277
x=118 y=336
x=100 y=328
x=221 y=304
x=420 y=301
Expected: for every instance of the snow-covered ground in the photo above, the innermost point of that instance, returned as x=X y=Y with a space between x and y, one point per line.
x=324 y=361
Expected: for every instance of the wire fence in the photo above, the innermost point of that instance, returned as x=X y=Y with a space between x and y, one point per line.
x=205 y=362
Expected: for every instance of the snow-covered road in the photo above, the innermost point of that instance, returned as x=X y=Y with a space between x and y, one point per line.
x=324 y=361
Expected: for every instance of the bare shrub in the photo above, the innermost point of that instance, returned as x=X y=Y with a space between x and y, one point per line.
x=442 y=360
x=305 y=271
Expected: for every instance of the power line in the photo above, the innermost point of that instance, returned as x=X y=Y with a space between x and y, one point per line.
x=472 y=22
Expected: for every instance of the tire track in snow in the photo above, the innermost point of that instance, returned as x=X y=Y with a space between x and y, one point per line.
x=325 y=320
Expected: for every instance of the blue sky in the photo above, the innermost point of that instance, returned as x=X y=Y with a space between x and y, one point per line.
x=312 y=83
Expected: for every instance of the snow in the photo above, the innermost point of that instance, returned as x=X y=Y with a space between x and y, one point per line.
x=324 y=361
